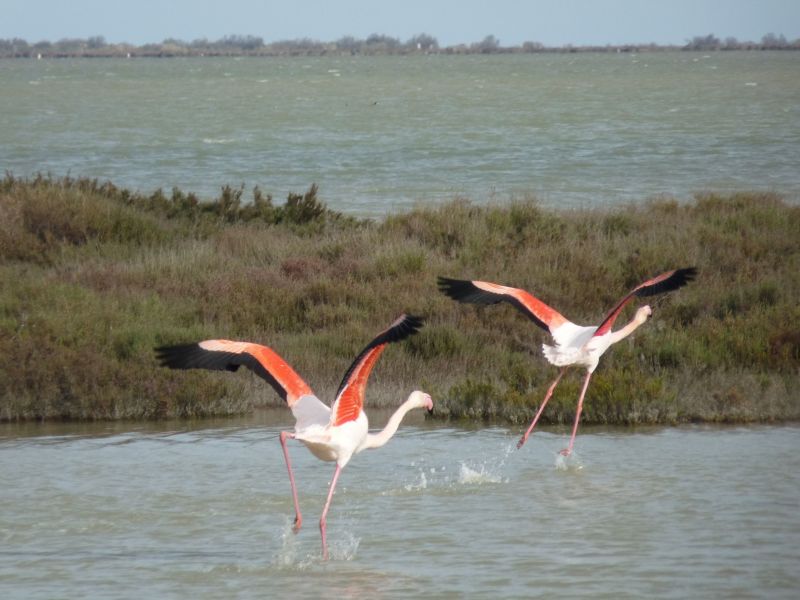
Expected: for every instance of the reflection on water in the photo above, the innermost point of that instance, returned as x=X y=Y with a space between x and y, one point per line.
x=203 y=508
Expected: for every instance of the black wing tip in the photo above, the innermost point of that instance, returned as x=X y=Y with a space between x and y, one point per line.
x=403 y=327
x=413 y=321
x=681 y=277
x=464 y=290
x=174 y=356
x=193 y=356
x=678 y=279
x=687 y=273
x=406 y=325
x=453 y=287
x=444 y=282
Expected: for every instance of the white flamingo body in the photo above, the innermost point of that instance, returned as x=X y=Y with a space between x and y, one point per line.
x=329 y=443
x=332 y=434
x=575 y=345
x=309 y=411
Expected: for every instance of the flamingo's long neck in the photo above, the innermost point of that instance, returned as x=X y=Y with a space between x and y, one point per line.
x=621 y=334
x=376 y=440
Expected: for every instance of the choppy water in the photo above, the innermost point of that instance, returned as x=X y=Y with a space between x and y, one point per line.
x=381 y=133
x=204 y=511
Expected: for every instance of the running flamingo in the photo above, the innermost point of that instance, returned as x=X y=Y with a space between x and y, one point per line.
x=574 y=344
x=331 y=434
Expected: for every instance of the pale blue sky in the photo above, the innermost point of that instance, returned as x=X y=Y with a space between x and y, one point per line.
x=553 y=22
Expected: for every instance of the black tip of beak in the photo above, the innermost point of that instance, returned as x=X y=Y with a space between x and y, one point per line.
x=430 y=411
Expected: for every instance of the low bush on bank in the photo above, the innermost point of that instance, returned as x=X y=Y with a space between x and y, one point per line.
x=94 y=276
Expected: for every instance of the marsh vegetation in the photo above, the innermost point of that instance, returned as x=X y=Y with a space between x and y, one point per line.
x=95 y=276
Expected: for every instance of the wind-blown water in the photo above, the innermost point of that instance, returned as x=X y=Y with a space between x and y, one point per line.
x=381 y=133
x=174 y=511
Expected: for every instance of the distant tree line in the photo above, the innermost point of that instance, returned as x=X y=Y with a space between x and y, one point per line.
x=769 y=41
x=248 y=45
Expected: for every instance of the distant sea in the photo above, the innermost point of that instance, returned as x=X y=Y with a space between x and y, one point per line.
x=381 y=134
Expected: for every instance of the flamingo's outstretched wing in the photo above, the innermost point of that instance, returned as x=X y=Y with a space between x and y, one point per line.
x=483 y=292
x=226 y=355
x=350 y=397
x=666 y=282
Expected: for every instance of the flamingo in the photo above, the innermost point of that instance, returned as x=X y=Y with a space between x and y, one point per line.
x=333 y=433
x=574 y=344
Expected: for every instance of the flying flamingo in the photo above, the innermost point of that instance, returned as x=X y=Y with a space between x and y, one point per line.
x=331 y=434
x=574 y=344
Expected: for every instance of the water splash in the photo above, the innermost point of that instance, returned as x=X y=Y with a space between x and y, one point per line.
x=292 y=553
x=287 y=553
x=571 y=463
x=470 y=476
x=420 y=485
x=344 y=549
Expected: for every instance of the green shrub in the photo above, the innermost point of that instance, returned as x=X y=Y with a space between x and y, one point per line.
x=93 y=276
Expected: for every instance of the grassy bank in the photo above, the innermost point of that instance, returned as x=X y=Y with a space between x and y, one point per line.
x=92 y=277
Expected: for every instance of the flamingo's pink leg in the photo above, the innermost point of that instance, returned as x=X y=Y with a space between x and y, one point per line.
x=568 y=450
x=298 y=518
x=541 y=408
x=323 y=518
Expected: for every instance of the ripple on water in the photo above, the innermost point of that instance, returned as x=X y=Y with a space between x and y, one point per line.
x=445 y=512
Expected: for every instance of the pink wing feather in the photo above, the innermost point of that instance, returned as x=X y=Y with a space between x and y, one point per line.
x=350 y=398
x=483 y=292
x=666 y=282
x=227 y=355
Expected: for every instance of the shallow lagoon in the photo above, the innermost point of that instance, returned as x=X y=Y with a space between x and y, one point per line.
x=203 y=509
x=379 y=134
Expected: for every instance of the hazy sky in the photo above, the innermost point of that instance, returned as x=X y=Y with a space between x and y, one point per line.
x=553 y=22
